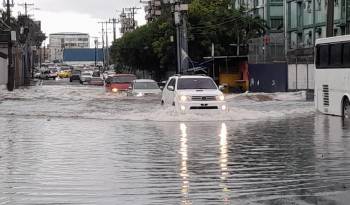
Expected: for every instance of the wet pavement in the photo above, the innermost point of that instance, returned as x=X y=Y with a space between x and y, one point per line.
x=73 y=144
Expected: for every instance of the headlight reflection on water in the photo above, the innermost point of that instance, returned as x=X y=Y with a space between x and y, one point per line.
x=224 y=162
x=184 y=170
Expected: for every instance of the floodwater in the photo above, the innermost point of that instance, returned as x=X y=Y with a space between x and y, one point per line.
x=71 y=144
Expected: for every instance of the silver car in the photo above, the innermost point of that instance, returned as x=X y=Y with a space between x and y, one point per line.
x=144 y=87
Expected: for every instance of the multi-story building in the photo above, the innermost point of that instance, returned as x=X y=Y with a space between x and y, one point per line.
x=153 y=9
x=306 y=21
x=60 y=41
x=269 y=10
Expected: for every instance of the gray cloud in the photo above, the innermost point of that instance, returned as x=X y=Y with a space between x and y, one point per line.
x=96 y=8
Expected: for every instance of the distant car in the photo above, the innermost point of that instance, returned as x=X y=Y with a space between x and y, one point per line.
x=119 y=82
x=53 y=74
x=44 y=75
x=75 y=75
x=107 y=74
x=193 y=93
x=85 y=77
x=37 y=74
x=96 y=79
x=64 y=74
x=144 y=87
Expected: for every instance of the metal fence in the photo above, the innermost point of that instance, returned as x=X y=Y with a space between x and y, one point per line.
x=267 y=49
x=301 y=73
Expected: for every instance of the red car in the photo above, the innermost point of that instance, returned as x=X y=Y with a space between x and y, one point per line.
x=119 y=82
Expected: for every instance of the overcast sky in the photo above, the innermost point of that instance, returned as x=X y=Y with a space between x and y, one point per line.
x=77 y=15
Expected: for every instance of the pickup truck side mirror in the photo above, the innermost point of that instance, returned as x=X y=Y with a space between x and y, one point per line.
x=171 y=88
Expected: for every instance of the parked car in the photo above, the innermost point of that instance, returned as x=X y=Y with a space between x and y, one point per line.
x=193 y=93
x=64 y=74
x=53 y=74
x=45 y=75
x=119 y=82
x=96 y=79
x=144 y=87
x=75 y=75
x=85 y=77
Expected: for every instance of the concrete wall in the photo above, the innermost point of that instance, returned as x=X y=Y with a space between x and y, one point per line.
x=3 y=70
x=301 y=76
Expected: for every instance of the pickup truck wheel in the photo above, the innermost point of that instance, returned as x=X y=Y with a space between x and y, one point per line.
x=162 y=102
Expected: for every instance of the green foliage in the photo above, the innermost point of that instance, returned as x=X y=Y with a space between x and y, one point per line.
x=149 y=47
x=34 y=36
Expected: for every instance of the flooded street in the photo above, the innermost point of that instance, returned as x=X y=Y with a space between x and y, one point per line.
x=72 y=144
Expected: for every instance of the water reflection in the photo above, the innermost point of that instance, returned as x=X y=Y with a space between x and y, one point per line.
x=302 y=159
x=224 y=163
x=184 y=170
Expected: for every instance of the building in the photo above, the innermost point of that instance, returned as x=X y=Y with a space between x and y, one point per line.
x=83 y=56
x=153 y=9
x=271 y=47
x=269 y=10
x=60 y=41
x=307 y=21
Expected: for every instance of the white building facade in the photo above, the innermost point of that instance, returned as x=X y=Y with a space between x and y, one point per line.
x=60 y=41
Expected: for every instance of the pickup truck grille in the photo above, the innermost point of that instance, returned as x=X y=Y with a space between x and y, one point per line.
x=203 y=98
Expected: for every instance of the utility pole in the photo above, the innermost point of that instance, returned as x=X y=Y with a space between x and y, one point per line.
x=114 y=22
x=107 y=46
x=103 y=43
x=133 y=12
x=180 y=18
x=330 y=18
x=11 y=69
x=25 y=5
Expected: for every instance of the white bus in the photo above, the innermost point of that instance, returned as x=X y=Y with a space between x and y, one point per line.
x=332 y=78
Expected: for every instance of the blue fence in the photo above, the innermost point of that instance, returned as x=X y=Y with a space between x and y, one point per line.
x=268 y=77
x=82 y=54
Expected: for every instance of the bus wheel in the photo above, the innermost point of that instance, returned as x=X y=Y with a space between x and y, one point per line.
x=346 y=108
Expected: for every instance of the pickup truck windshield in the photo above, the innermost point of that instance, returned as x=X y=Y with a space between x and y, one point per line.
x=196 y=83
x=146 y=85
x=123 y=79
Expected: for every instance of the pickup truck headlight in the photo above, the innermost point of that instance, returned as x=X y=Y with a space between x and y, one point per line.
x=184 y=98
x=140 y=94
x=220 y=98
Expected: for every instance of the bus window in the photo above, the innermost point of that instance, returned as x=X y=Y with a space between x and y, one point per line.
x=335 y=55
x=346 y=55
x=323 y=56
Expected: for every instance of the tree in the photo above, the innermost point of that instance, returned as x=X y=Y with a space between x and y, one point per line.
x=149 y=47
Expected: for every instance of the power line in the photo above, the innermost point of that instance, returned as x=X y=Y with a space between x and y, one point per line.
x=26 y=5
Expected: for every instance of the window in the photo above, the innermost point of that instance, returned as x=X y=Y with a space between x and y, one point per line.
x=293 y=15
x=335 y=55
x=196 y=83
x=277 y=23
x=346 y=54
x=171 y=83
x=322 y=56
